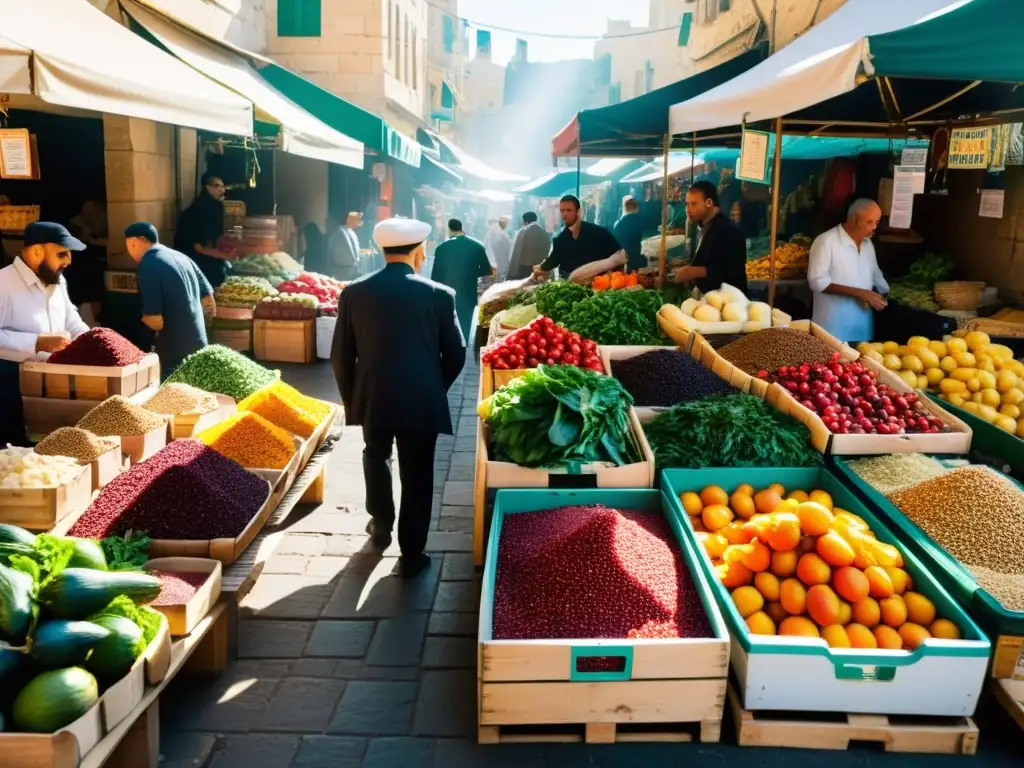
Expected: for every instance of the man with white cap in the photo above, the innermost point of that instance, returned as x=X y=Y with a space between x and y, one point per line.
x=397 y=350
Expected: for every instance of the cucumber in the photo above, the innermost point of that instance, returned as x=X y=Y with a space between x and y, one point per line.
x=88 y=554
x=114 y=655
x=54 y=700
x=15 y=605
x=16 y=535
x=76 y=593
x=59 y=643
x=9 y=661
x=8 y=548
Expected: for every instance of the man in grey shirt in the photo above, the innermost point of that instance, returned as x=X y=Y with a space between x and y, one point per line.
x=532 y=245
x=343 y=248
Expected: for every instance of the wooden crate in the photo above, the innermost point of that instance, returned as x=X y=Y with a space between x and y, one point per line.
x=663 y=683
x=1008 y=658
x=45 y=414
x=87 y=382
x=63 y=749
x=39 y=509
x=190 y=424
x=233 y=334
x=182 y=619
x=933 y=735
x=318 y=437
x=284 y=341
x=140 y=447
x=108 y=465
x=1010 y=695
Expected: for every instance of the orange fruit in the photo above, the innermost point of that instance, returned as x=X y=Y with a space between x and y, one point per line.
x=845 y=613
x=783 y=532
x=900 y=579
x=860 y=636
x=879 y=581
x=783 y=564
x=714 y=495
x=746 y=489
x=760 y=623
x=798 y=626
x=866 y=611
x=798 y=496
x=766 y=501
x=811 y=570
x=913 y=635
x=807 y=544
x=793 y=596
x=755 y=527
x=887 y=638
x=778 y=488
x=733 y=533
x=835 y=636
x=716 y=516
x=815 y=520
x=851 y=519
x=834 y=549
x=944 y=629
x=893 y=611
x=776 y=612
x=821 y=497
x=691 y=503
x=747 y=600
x=742 y=505
x=768 y=585
x=823 y=605
x=697 y=524
x=734 y=574
x=850 y=583
x=920 y=610
x=715 y=544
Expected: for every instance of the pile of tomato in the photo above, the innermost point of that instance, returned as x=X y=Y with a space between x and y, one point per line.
x=543 y=342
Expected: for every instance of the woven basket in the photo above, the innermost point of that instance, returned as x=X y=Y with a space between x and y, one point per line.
x=962 y=295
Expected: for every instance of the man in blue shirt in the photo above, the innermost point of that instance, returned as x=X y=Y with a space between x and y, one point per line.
x=629 y=231
x=174 y=294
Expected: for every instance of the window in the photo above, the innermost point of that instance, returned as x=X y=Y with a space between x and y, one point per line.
x=405 y=52
x=449 y=34
x=398 y=44
x=415 y=66
x=391 y=32
x=684 y=30
x=615 y=93
x=298 y=18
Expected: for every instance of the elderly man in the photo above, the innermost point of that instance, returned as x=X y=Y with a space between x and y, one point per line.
x=531 y=246
x=36 y=315
x=343 y=247
x=843 y=273
x=499 y=246
x=397 y=350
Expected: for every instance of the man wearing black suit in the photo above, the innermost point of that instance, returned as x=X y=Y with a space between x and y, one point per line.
x=397 y=350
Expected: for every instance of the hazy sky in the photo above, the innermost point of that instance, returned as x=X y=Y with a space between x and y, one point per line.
x=570 y=17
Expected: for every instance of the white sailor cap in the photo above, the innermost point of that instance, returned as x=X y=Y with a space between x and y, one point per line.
x=394 y=233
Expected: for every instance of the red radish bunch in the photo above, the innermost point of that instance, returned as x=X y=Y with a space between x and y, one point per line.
x=325 y=288
x=543 y=342
x=850 y=400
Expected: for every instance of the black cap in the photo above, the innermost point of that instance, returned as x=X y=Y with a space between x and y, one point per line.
x=143 y=229
x=43 y=232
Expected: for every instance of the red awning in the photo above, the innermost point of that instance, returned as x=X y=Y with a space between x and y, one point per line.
x=566 y=140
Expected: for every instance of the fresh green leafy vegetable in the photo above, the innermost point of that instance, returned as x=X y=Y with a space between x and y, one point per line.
x=560 y=415
x=49 y=556
x=555 y=299
x=928 y=270
x=734 y=430
x=144 y=617
x=127 y=553
x=618 y=317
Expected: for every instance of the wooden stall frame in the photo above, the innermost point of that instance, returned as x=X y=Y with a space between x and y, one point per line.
x=286 y=341
x=87 y=382
x=183 y=618
x=39 y=509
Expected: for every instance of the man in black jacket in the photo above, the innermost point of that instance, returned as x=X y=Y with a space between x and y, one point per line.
x=721 y=254
x=397 y=350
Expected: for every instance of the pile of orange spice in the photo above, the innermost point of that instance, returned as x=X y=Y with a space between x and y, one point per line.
x=250 y=440
x=287 y=408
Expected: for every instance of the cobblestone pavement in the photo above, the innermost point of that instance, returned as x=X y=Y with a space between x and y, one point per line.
x=343 y=665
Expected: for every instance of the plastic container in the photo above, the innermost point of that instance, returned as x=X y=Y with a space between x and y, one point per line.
x=941 y=678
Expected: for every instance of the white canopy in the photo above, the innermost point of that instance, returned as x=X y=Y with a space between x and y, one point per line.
x=68 y=53
x=301 y=133
x=819 y=65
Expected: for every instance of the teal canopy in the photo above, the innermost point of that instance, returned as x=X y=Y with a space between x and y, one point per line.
x=558 y=183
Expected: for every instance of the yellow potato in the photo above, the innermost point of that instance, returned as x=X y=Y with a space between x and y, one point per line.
x=1010 y=410
x=891 y=362
x=938 y=347
x=1006 y=424
x=910 y=377
x=953 y=386
x=934 y=376
x=965 y=359
x=890 y=347
x=917 y=341
x=948 y=364
x=975 y=339
x=1013 y=396
x=990 y=397
x=963 y=374
x=911 y=363
x=955 y=399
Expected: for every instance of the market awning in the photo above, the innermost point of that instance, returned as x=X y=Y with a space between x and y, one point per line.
x=678 y=162
x=637 y=127
x=611 y=167
x=435 y=173
x=345 y=117
x=68 y=53
x=939 y=52
x=556 y=184
x=300 y=132
x=467 y=165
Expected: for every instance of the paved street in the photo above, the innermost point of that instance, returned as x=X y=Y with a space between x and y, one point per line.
x=343 y=665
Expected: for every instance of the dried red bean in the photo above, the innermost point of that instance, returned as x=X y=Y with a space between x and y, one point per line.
x=178 y=587
x=593 y=572
x=184 y=491
x=99 y=346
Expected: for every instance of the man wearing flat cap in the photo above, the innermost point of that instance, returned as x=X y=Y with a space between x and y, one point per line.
x=36 y=315
x=397 y=350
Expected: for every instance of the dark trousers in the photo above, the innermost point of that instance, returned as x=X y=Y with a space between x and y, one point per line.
x=416 y=472
x=12 y=414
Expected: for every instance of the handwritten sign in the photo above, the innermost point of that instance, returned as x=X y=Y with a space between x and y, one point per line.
x=970 y=148
x=752 y=164
x=15 y=154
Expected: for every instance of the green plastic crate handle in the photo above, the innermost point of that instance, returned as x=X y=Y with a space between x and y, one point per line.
x=865 y=672
x=601 y=651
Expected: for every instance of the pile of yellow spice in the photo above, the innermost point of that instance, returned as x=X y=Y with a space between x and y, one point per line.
x=287 y=408
x=250 y=440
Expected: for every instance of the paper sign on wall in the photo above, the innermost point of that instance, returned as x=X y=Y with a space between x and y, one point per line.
x=15 y=154
x=903 y=185
x=752 y=164
x=970 y=148
x=914 y=156
x=992 y=203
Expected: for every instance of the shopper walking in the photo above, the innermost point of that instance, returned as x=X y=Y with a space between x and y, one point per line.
x=397 y=350
x=530 y=247
x=460 y=262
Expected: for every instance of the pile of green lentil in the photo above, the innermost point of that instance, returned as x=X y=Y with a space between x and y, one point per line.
x=119 y=416
x=182 y=400
x=976 y=515
x=80 y=444
x=772 y=348
x=218 y=369
x=896 y=472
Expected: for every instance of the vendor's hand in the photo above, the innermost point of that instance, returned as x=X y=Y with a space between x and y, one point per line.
x=684 y=275
x=230 y=255
x=538 y=272
x=874 y=300
x=52 y=342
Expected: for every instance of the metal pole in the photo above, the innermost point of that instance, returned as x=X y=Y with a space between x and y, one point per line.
x=776 y=181
x=663 y=251
x=579 y=173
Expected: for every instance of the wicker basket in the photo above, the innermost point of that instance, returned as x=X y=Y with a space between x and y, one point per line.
x=14 y=218
x=962 y=295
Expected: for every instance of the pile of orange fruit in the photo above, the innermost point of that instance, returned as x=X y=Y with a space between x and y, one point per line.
x=796 y=565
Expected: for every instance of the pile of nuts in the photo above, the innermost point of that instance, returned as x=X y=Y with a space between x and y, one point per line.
x=119 y=416
x=773 y=348
x=897 y=471
x=182 y=400
x=79 y=444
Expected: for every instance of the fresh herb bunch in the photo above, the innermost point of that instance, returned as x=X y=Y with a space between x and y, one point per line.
x=555 y=299
x=127 y=553
x=145 y=618
x=618 y=317
x=559 y=414
x=928 y=270
x=729 y=431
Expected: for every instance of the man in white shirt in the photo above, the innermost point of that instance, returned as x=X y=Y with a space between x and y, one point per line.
x=843 y=273
x=499 y=246
x=36 y=314
x=344 y=248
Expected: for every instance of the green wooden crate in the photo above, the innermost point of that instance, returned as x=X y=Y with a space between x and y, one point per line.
x=990 y=440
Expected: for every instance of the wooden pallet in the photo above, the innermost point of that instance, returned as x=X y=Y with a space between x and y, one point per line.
x=813 y=730
x=708 y=732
